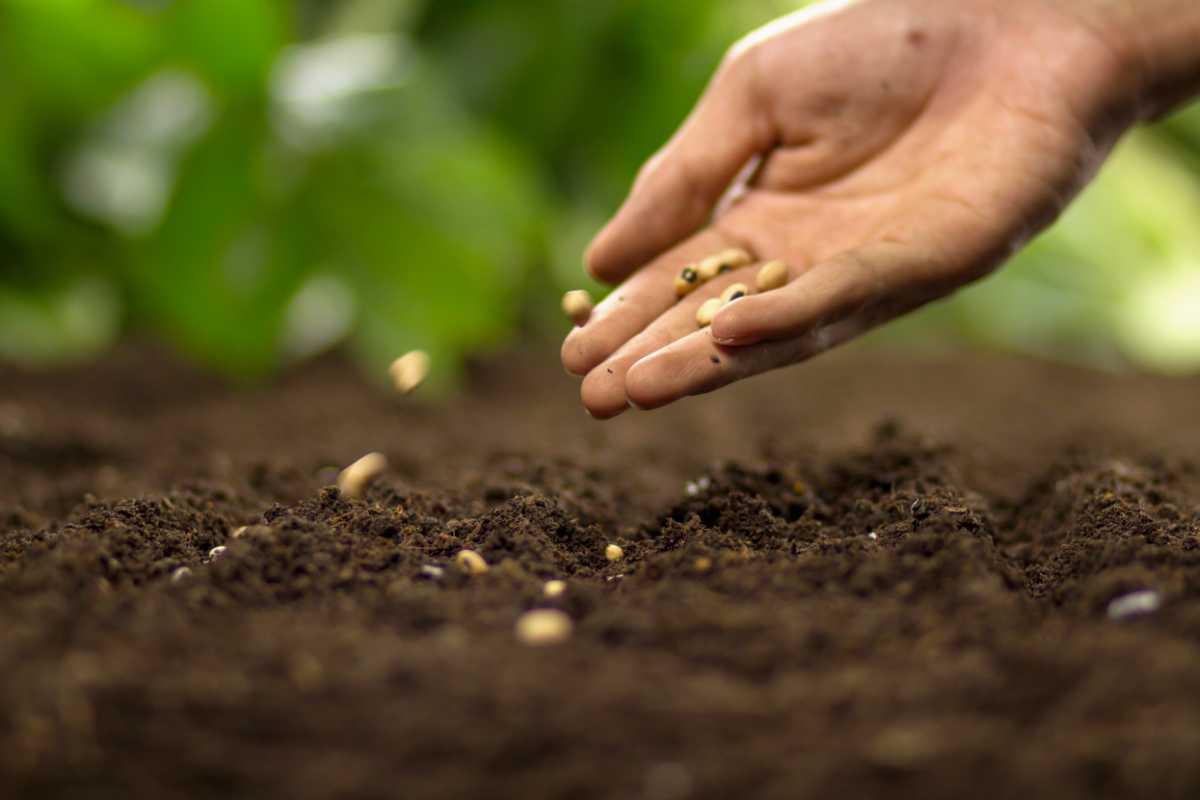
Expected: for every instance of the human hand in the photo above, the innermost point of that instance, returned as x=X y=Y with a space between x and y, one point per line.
x=906 y=147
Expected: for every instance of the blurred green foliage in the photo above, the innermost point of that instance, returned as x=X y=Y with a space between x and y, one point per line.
x=257 y=180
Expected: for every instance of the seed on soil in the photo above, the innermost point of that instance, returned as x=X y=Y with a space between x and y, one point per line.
x=470 y=562
x=773 y=275
x=238 y=532
x=734 y=292
x=554 y=588
x=410 y=370
x=543 y=626
x=688 y=280
x=578 y=306
x=180 y=574
x=703 y=564
x=354 y=479
x=1146 y=601
x=708 y=309
x=217 y=552
x=432 y=571
x=614 y=552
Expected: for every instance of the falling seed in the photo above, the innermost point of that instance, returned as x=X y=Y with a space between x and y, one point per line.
x=578 y=306
x=432 y=571
x=614 y=552
x=217 y=552
x=554 y=588
x=543 y=626
x=707 y=310
x=180 y=574
x=773 y=275
x=734 y=292
x=410 y=370
x=688 y=280
x=470 y=562
x=354 y=479
x=1145 y=601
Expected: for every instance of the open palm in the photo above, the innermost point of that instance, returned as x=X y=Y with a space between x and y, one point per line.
x=889 y=151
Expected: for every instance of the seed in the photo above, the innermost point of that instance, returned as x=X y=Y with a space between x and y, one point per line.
x=554 y=588
x=703 y=564
x=470 y=562
x=577 y=305
x=1145 y=601
x=722 y=262
x=543 y=626
x=238 y=532
x=773 y=275
x=354 y=479
x=217 y=552
x=180 y=574
x=432 y=571
x=734 y=292
x=614 y=552
x=708 y=309
x=688 y=280
x=410 y=370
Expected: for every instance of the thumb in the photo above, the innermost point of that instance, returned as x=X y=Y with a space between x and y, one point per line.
x=676 y=191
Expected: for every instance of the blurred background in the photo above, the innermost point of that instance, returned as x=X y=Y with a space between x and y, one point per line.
x=257 y=181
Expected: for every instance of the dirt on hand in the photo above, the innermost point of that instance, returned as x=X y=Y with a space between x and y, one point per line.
x=878 y=575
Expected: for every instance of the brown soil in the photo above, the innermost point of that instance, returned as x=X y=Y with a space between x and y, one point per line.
x=894 y=583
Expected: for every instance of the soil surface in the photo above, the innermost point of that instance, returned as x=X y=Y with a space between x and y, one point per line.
x=878 y=575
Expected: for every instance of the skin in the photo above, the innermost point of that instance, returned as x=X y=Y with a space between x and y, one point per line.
x=890 y=151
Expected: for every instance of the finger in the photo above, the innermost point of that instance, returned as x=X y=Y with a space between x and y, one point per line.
x=635 y=304
x=603 y=390
x=831 y=291
x=696 y=364
x=676 y=191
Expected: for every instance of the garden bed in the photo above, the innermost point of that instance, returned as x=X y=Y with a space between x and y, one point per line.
x=876 y=575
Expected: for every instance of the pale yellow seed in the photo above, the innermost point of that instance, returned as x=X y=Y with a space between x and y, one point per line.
x=741 y=289
x=708 y=310
x=217 y=552
x=773 y=275
x=180 y=574
x=543 y=626
x=578 y=306
x=470 y=562
x=410 y=370
x=554 y=588
x=687 y=280
x=238 y=532
x=722 y=262
x=354 y=479
x=614 y=552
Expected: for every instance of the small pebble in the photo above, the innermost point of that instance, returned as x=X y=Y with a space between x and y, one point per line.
x=707 y=310
x=217 y=552
x=773 y=275
x=1145 y=601
x=543 y=626
x=614 y=552
x=873 y=536
x=180 y=574
x=354 y=479
x=735 y=292
x=410 y=370
x=554 y=588
x=470 y=562
x=578 y=306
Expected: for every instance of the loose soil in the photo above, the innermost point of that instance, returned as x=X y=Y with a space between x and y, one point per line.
x=874 y=576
